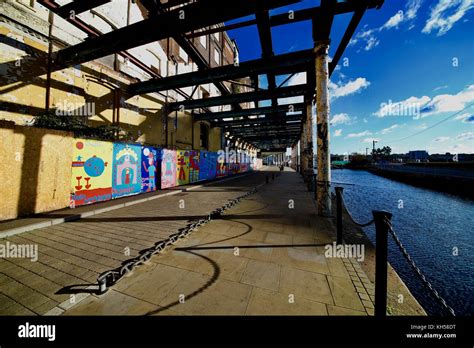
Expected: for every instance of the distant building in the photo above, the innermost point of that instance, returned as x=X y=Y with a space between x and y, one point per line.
x=418 y=156
x=451 y=157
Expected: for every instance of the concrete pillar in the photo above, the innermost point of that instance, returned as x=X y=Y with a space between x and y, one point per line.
x=322 y=112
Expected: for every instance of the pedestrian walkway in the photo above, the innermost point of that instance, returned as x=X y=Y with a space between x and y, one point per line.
x=264 y=256
x=71 y=255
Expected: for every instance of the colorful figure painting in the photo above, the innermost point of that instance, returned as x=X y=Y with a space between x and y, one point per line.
x=194 y=168
x=151 y=168
x=126 y=173
x=182 y=168
x=168 y=168
x=221 y=168
x=91 y=172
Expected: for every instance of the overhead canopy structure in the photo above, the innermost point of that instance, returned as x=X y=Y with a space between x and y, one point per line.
x=278 y=125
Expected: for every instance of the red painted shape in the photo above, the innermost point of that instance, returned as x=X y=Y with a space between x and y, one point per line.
x=79 y=186
x=88 y=186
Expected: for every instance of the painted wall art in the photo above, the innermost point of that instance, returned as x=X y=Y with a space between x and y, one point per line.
x=182 y=157
x=221 y=168
x=126 y=173
x=151 y=168
x=168 y=168
x=91 y=179
x=194 y=168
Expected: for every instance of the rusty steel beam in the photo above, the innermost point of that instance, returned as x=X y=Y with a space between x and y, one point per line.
x=177 y=21
x=258 y=121
x=283 y=92
x=297 y=16
x=280 y=65
x=76 y=7
x=253 y=111
x=265 y=36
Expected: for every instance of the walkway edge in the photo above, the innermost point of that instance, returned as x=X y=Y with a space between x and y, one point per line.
x=35 y=226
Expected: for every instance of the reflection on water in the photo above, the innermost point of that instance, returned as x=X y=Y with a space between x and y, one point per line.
x=436 y=229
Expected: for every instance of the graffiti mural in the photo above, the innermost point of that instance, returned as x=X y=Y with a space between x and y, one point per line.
x=168 y=169
x=182 y=168
x=194 y=168
x=91 y=172
x=126 y=173
x=151 y=168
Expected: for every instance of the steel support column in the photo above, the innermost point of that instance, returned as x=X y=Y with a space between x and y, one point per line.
x=309 y=134
x=303 y=145
x=322 y=111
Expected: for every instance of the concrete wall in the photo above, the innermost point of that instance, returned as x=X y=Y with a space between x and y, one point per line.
x=43 y=170
x=35 y=171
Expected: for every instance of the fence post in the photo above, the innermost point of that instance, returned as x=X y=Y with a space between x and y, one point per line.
x=339 y=192
x=381 y=236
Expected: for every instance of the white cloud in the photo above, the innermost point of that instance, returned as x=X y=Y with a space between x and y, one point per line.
x=445 y=14
x=365 y=120
x=412 y=9
x=389 y=129
x=338 y=132
x=420 y=107
x=461 y=148
x=369 y=36
x=465 y=136
x=440 y=87
x=371 y=43
x=422 y=126
x=441 y=139
x=358 y=135
x=449 y=102
x=465 y=117
x=340 y=119
x=369 y=140
x=341 y=90
x=408 y=107
x=297 y=79
x=394 y=21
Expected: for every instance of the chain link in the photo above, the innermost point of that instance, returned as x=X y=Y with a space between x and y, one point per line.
x=417 y=270
x=109 y=278
x=352 y=218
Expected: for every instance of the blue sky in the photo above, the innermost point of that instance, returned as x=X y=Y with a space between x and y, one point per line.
x=409 y=66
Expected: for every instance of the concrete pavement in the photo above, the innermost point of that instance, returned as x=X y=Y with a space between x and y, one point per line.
x=264 y=256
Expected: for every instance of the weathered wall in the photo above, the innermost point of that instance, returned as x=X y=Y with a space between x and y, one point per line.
x=23 y=62
x=35 y=171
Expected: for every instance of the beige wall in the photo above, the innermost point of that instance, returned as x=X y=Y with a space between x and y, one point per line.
x=35 y=171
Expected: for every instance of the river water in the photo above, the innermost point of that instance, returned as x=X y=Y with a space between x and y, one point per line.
x=436 y=228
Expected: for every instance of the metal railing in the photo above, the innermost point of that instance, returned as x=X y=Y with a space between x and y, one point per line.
x=383 y=227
